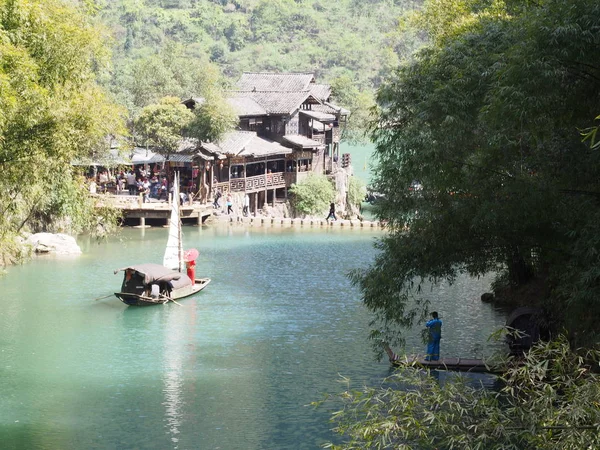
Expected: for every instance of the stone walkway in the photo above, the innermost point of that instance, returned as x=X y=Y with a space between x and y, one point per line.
x=270 y=221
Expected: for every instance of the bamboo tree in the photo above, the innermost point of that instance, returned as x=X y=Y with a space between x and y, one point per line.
x=51 y=112
x=486 y=118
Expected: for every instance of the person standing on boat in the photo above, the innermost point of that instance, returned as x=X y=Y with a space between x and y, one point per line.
x=435 y=334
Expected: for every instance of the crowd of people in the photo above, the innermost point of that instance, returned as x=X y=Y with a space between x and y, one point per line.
x=152 y=183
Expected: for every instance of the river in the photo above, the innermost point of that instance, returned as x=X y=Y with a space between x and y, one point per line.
x=233 y=367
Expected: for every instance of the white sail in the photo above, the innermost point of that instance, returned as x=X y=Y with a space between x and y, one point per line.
x=174 y=252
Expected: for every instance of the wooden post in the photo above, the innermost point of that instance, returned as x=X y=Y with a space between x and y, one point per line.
x=142 y=222
x=211 y=188
x=266 y=182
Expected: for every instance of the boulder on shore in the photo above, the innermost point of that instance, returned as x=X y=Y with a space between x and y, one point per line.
x=59 y=244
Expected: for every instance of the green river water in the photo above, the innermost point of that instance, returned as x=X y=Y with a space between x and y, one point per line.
x=234 y=367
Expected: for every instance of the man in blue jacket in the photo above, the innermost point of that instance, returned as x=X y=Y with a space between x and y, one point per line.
x=435 y=334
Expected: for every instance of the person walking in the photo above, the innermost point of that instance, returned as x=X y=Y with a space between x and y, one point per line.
x=229 y=204
x=246 y=205
x=146 y=190
x=331 y=212
x=216 y=204
x=435 y=334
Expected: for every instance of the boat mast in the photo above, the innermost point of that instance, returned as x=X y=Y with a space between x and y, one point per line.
x=173 y=258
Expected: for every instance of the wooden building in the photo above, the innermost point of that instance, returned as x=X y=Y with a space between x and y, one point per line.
x=287 y=129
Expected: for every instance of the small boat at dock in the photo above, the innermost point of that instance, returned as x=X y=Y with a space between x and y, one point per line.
x=454 y=364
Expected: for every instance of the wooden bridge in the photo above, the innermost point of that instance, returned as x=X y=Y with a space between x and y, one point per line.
x=133 y=207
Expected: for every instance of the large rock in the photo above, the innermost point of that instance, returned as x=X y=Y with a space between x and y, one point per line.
x=59 y=244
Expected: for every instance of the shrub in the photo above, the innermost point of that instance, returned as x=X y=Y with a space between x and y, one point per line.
x=312 y=195
x=356 y=191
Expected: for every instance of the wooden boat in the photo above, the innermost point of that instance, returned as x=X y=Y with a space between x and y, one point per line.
x=456 y=364
x=151 y=284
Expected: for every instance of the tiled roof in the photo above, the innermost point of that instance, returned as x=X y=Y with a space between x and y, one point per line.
x=187 y=145
x=141 y=155
x=264 y=93
x=339 y=109
x=302 y=141
x=274 y=82
x=211 y=147
x=264 y=147
x=318 y=115
x=245 y=105
x=280 y=102
x=246 y=143
x=328 y=108
x=233 y=142
x=321 y=91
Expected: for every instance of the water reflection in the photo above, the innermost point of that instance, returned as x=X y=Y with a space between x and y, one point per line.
x=173 y=354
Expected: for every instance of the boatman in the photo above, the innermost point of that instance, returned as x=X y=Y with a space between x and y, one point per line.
x=435 y=334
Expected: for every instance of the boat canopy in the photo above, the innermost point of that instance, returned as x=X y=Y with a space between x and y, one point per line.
x=153 y=273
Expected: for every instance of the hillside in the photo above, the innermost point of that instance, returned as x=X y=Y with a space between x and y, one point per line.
x=164 y=47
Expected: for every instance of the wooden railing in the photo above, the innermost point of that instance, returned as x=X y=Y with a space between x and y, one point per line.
x=253 y=184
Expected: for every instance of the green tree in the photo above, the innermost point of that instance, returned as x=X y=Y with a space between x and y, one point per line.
x=168 y=73
x=487 y=119
x=356 y=191
x=548 y=401
x=312 y=195
x=360 y=104
x=212 y=119
x=51 y=112
x=162 y=125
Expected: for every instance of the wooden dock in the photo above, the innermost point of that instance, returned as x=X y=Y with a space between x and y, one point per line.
x=133 y=207
x=454 y=364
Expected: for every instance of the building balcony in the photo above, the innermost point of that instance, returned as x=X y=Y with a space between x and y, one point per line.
x=253 y=184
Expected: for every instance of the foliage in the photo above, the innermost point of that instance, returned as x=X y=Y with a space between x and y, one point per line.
x=51 y=56
x=356 y=191
x=212 y=119
x=360 y=104
x=170 y=72
x=312 y=195
x=162 y=125
x=486 y=118
x=591 y=134
x=156 y=43
x=70 y=209
x=547 y=401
